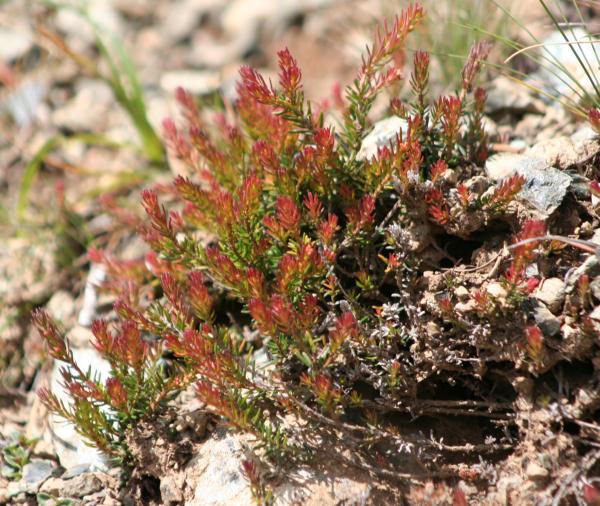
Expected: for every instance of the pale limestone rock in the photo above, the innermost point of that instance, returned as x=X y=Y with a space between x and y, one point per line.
x=384 y=133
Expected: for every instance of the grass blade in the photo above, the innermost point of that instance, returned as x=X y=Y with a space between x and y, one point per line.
x=30 y=173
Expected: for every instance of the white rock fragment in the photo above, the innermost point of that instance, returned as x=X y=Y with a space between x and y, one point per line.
x=95 y=278
x=503 y=165
x=496 y=290
x=568 y=78
x=384 y=133
x=461 y=293
x=536 y=472
x=14 y=43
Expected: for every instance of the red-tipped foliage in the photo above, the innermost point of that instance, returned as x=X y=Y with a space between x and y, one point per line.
x=58 y=347
x=534 y=342
x=199 y=296
x=286 y=222
x=478 y=53
x=117 y=393
x=524 y=250
x=254 y=84
x=594 y=119
x=289 y=73
x=346 y=327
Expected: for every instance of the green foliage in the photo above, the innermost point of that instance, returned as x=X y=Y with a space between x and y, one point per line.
x=15 y=455
x=44 y=499
x=121 y=77
x=103 y=410
x=313 y=240
x=34 y=165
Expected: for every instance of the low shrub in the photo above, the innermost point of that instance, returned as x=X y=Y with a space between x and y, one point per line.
x=339 y=267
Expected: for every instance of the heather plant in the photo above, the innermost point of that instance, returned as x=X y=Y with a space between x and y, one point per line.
x=102 y=411
x=323 y=250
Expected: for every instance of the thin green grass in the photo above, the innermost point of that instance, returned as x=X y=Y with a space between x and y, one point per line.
x=450 y=29
x=36 y=162
x=122 y=77
x=578 y=94
x=31 y=170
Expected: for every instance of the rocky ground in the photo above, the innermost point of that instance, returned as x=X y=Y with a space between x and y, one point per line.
x=54 y=108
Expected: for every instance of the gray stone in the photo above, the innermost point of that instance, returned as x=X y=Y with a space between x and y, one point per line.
x=584 y=133
x=36 y=472
x=24 y=101
x=312 y=488
x=564 y=152
x=171 y=489
x=241 y=14
x=504 y=95
x=502 y=165
x=61 y=306
x=552 y=293
x=87 y=110
x=384 y=133
x=206 y=52
x=216 y=473
x=52 y=486
x=74 y=471
x=215 y=478
x=545 y=189
x=82 y=485
x=181 y=17
x=79 y=29
x=242 y=23
x=546 y=321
